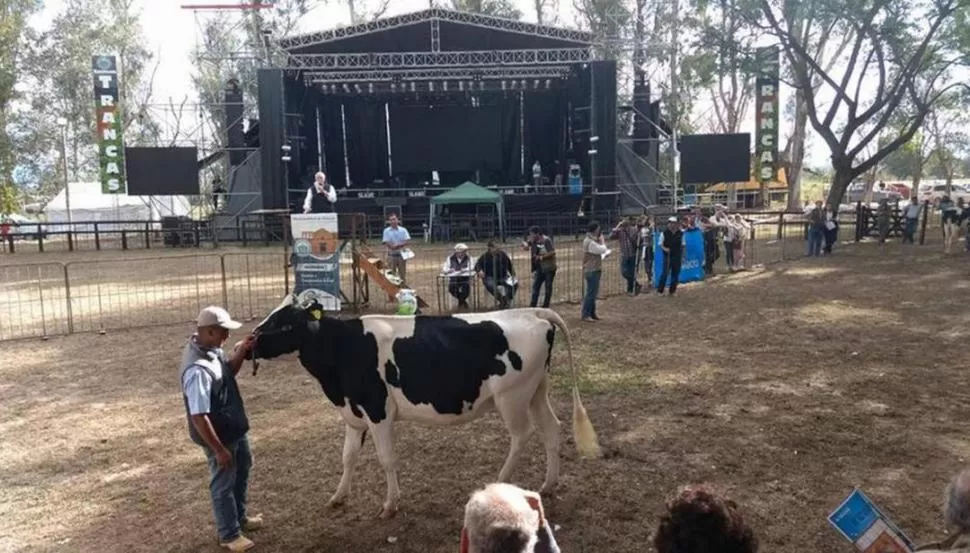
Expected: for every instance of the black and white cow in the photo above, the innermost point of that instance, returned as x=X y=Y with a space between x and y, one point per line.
x=378 y=369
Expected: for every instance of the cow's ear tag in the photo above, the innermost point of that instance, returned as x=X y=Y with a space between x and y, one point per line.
x=316 y=313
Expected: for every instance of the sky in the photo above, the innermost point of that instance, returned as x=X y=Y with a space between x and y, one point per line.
x=172 y=34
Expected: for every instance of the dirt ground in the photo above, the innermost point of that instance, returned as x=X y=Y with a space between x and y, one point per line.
x=784 y=388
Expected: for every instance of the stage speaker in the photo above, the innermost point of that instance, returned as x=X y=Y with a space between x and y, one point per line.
x=710 y=158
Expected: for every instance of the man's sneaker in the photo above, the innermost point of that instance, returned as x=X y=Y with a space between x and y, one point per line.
x=253 y=523
x=241 y=543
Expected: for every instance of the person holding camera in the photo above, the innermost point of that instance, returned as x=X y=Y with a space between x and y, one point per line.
x=543 y=255
x=626 y=232
x=594 y=250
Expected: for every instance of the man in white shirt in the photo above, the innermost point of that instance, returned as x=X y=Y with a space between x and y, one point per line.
x=396 y=238
x=536 y=175
x=321 y=197
x=911 y=215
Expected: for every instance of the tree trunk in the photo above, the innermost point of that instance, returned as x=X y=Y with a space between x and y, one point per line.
x=797 y=152
x=840 y=183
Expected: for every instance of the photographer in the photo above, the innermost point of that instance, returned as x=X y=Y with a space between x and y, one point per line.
x=626 y=232
x=594 y=249
x=543 y=255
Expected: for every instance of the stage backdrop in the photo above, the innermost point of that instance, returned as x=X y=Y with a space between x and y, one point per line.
x=692 y=267
x=316 y=258
x=447 y=138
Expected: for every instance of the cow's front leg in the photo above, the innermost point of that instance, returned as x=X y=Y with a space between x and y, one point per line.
x=384 y=441
x=353 y=441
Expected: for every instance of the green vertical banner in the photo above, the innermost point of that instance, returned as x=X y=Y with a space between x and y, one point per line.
x=107 y=111
x=766 y=110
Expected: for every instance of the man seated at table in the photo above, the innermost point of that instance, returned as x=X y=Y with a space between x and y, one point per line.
x=496 y=271
x=458 y=268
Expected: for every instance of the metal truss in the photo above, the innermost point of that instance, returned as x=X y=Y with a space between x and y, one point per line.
x=401 y=60
x=466 y=18
x=464 y=74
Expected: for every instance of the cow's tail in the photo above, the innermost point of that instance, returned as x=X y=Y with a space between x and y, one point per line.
x=583 y=432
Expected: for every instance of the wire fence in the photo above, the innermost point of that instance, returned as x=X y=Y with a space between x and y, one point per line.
x=120 y=292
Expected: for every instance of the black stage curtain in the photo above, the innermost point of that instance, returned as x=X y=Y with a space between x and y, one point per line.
x=366 y=140
x=511 y=140
x=331 y=132
x=545 y=113
x=446 y=138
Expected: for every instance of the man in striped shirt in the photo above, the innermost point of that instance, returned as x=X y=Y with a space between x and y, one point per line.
x=628 y=235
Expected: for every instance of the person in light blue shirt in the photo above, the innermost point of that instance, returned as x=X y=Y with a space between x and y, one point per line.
x=396 y=238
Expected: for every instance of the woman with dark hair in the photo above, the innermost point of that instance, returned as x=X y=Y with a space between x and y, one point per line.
x=698 y=521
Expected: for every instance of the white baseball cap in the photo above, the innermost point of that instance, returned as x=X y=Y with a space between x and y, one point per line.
x=461 y=248
x=673 y=220
x=217 y=316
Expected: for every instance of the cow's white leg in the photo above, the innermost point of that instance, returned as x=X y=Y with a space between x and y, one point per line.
x=353 y=441
x=514 y=409
x=545 y=419
x=384 y=441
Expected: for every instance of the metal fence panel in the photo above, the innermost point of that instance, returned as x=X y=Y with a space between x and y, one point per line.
x=125 y=293
x=33 y=301
x=254 y=284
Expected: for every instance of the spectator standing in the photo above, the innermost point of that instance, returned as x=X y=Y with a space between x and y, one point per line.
x=911 y=215
x=698 y=521
x=537 y=176
x=646 y=246
x=458 y=267
x=831 y=228
x=626 y=232
x=816 y=229
x=495 y=269
x=503 y=518
x=672 y=244
x=594 y=248
x=950 y=217
x=965 y=221
x=542 y=252
x=396 y=238
x=741 y=230
x=217 y=422
x=730 y=232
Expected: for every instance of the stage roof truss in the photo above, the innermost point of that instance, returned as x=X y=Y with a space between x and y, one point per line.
x=463 y=74
x=398 y=60
x=431 y=16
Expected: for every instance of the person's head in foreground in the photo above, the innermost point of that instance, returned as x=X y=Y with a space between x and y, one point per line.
x=593 y=229
x=214 y=324
x=956 y=517
x=698 y=521
x=461 y=251
x=504 y=518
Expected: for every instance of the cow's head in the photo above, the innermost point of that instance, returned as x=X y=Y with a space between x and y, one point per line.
x=285 y=328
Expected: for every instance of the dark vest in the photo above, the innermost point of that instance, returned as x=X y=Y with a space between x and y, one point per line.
x=226 y=411
x=319 y=202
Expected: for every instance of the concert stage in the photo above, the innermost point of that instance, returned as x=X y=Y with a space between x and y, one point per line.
x=388 y=108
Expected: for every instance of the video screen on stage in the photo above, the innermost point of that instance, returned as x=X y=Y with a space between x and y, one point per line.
x=446 y=138
x=162 y=171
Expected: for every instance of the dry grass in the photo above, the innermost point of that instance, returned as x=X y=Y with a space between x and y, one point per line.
x=784 y=387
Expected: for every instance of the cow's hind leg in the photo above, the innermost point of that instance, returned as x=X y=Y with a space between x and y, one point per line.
x=515 y=412
x=353 y=441
x=545 y=420
x=384 y=441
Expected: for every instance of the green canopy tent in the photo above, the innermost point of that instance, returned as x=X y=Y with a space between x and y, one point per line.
x=467 y=194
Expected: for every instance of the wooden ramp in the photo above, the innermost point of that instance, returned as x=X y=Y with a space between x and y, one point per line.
x=373 y=267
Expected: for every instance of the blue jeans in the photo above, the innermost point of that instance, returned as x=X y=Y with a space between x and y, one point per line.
x=592 y=290
x=910 y=233
x=628 y=267
x=815 y=239
x=228 y=489
x=538 y=279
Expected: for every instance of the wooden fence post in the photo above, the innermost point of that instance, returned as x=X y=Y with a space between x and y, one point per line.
x=926 y=217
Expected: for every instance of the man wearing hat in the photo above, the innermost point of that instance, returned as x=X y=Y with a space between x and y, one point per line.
x=458 y=268
x=217 y=421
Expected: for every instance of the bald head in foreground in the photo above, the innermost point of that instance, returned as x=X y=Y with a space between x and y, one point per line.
x=504 y=518
x=956 y=516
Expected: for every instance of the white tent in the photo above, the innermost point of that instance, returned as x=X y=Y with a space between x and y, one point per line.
x=89 y=205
